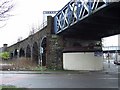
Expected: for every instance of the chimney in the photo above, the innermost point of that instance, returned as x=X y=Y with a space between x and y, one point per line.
x=4 y=47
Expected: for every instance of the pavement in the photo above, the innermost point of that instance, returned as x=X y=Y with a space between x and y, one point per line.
x=43 y=72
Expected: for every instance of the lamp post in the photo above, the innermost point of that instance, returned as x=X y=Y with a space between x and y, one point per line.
x=116 y=54
x=17 y=58
x=17 y=53
x=108 y=57
x=40 y=60
x=41 y=52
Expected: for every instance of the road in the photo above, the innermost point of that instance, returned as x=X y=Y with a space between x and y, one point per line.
x=85 y=80
x=61 y=80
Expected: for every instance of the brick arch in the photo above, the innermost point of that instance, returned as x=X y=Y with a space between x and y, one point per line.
x=35 y=51
x=28 y=51
x=21 y=52
x=43 y=44
x=15 y=53
x=11 y=55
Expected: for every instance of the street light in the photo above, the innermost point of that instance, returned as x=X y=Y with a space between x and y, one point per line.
x=40 y=60
x=17 y=58
x=17 y=53
x=116 y=54
x=108 y=57
x=41 y=52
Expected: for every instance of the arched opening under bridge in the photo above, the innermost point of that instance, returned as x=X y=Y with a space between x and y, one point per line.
x=22 y=53
x=43 y=53
x=28 y=52
x=35 y=52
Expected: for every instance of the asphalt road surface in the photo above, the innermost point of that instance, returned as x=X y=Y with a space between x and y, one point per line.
x=61 y=80
x=85 y=80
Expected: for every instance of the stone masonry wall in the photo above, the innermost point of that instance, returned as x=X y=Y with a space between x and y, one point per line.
x=54 y=47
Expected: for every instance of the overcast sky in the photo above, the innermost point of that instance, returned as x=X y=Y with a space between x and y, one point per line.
x=27 y=13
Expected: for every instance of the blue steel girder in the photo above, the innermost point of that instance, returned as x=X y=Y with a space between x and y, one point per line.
x=75 y=11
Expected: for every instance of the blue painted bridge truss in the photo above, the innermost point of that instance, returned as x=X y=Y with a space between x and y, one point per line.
x=75 y=11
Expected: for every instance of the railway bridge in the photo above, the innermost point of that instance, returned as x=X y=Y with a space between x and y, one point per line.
x=71 y=39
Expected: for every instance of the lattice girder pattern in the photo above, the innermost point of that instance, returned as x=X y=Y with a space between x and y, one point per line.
x=75 y=11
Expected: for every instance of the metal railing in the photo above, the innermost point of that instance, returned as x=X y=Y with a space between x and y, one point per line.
x=35 y=30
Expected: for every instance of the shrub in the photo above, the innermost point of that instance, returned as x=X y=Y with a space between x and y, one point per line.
x=5 y=55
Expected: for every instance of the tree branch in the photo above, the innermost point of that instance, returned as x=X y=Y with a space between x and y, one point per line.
x=5 y=8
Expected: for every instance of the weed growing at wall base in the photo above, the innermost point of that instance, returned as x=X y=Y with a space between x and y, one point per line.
x=5 y=55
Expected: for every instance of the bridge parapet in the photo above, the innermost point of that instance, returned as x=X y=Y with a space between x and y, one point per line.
x=35 y=30
x=75 y=11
